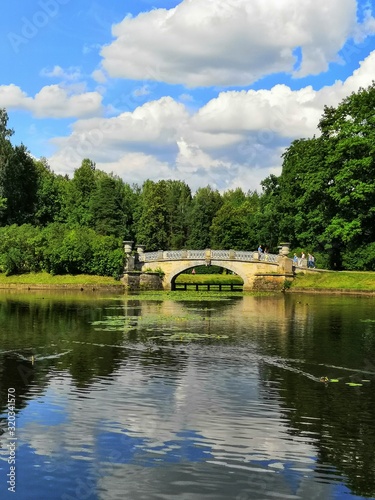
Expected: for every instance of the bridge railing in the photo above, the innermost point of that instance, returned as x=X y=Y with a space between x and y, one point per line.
x=244 y=256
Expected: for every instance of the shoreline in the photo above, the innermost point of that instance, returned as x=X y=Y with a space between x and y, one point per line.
x=122 y=289
x=335 y=291
x=62 y=286
x=334 y=283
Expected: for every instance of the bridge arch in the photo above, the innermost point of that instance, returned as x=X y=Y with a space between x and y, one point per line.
x=171 y=278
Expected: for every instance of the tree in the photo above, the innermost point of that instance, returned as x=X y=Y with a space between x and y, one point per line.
x=152 y=222
x=78 y=195
x=178 y=199
x=50 y=192
x=268 y=218
x=204 y=206
x=233 y=226
x=349 y=134
x=5 y=133
x=6 y=151
x=18 y=184
x=108 y=207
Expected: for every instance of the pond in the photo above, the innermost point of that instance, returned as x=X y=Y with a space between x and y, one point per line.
x=205 y=397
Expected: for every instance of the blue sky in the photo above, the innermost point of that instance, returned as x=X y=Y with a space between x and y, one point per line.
x=206 y=91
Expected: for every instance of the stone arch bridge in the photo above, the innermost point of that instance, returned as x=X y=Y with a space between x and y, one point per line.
x=258 y=271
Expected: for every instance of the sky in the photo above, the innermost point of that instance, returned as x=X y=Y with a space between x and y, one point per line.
x=209 y=92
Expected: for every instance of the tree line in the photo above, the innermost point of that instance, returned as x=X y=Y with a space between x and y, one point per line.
x=323 y=202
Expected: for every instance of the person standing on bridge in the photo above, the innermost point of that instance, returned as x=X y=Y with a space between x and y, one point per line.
x=310 y=261
x=260 y=251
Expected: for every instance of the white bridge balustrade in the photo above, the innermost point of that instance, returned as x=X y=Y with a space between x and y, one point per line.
x=250 y=265
x=244 y=256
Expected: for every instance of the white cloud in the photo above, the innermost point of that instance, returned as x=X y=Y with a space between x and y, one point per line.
x=367 y=28
x=141 y=91
x=230 y=42
x=88 y=48
x=51 y=101
x=235 y=139
x=99 y=76
x=69 y=74
x=186 y=97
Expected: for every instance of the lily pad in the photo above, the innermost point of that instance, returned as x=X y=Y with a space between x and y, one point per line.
x=187 y=337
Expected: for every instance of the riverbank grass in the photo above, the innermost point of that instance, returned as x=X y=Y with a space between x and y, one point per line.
x=212 y=279
x=57 y=280
x=335 y=280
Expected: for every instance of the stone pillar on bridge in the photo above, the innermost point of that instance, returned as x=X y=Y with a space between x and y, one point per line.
x=207 y=256
x=138 y=258
x=285 y=264
x=129 y=259
x=284 y=248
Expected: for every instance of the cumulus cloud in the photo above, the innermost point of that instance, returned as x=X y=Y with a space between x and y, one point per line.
x=230 y=42
x=72 y=73
x=234 y=140
x=51 y=101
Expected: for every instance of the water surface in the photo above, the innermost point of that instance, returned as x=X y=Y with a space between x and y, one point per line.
x=118 y=398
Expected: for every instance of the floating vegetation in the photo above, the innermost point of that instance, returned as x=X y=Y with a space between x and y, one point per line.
x=350 y=384
x=115 y=323
x=367 y=320
x=184 y=296
x=188 y=337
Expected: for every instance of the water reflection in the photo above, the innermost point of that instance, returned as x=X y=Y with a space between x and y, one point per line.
x=108 y=404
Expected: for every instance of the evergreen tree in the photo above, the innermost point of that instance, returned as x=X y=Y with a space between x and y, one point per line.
x=152 y=223
x=178 y=199
x=205 y=204
x=78 y=194
x=108 y=207
x=233 y=226
x=18 y=185
x=50 y=193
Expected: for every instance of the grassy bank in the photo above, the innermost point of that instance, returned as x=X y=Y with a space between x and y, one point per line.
x=320 y=281
x=212 y=279
x=342 y=280
x=66 y=280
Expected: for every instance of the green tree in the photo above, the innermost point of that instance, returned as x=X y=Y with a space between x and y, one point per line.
x=204 y=206
x=50 y=193
x=349 y=134
x=233 y=226
x=108 y=207
x=18 y=184
x=178 y=199
x=152 y=216
x=268 y=218
x=78 y=195
x=18 y=178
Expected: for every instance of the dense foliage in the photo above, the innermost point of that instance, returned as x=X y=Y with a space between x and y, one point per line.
x=323 y=202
